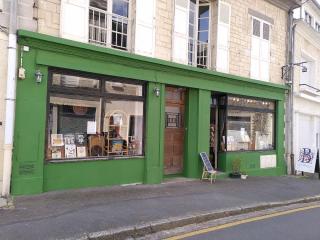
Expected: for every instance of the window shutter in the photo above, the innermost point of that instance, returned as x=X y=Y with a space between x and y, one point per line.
x=180 y=32
x=223 y=38
x=74 y=20
x=264 y=60
x=145 y=27
x=255 y=57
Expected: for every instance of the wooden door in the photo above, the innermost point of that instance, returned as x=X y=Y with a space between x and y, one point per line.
x=174 y=130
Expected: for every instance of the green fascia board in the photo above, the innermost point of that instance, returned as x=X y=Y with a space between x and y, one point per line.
x=56 y=44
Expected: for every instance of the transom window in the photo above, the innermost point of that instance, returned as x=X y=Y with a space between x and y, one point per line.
x=93 y=116
x=109 y=23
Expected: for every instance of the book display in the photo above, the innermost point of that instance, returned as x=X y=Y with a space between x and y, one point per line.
x=116 y=133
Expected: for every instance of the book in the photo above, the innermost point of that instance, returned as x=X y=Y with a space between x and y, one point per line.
x=70 y=151
x=69 y=139
x=57 y=140
x=56 y=153
x=81 y=139
x=116 y=145
x=81 y=152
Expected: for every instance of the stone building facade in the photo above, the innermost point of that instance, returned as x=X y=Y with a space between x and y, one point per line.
x=242 y=41
x=306 y=89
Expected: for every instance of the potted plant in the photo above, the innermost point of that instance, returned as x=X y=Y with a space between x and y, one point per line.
x=236 y=163
x=244 y=175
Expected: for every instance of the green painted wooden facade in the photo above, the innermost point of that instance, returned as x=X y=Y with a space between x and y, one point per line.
x=31 y=174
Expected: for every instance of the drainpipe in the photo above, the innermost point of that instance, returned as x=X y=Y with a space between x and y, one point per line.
x=290 y=101
x=10 y=99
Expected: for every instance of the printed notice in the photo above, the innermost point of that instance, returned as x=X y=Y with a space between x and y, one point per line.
x=91 y=127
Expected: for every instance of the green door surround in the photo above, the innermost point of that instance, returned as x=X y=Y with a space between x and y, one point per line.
x=30 y=173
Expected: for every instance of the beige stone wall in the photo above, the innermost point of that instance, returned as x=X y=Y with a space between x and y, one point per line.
x=3 y=77
x=49 y=17
x=240 y=37
x=164 y=25
x=240 y=32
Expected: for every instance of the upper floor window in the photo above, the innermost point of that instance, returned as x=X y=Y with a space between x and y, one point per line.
x=199 y=21
x=307 y=76
x=317 y=27
x=260 y=49
x=308 y=18
x=109 y=23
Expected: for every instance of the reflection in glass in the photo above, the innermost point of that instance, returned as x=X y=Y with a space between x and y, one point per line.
x=249 y=130
x=74 y=81
x=123 y=127
x=123 y=88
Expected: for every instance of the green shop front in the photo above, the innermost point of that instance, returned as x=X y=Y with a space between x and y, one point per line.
x=91 y=116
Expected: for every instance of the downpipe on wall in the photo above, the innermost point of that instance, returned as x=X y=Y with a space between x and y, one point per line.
x=10 y=100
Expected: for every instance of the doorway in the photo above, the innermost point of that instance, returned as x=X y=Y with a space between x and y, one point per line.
x=174 y=130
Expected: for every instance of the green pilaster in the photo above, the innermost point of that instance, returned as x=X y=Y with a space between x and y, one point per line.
x=280 y=143
x=197 y=130
x=154 y=134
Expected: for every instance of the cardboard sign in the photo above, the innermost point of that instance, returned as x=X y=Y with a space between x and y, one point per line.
x=307 y=160
x=206 y=161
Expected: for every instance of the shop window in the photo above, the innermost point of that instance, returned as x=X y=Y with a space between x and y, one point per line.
x=249 y=125
x=103 y=119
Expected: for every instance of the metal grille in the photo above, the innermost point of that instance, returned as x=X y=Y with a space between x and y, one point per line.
x=110 y=30
x=198 y=53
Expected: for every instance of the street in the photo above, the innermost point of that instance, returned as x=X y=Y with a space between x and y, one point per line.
x=295 y=224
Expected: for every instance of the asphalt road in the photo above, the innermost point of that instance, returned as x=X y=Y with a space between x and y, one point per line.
x=300 y=225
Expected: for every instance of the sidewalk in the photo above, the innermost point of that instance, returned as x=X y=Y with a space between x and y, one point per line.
x=67 y=214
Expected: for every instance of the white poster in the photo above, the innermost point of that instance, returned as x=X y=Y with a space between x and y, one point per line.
x=91 y=127
x=307 y=160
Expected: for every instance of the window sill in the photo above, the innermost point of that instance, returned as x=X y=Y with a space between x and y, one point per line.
x=64 y=160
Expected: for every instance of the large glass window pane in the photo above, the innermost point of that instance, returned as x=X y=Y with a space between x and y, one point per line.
x=95 y=122
x=123 y=127
x=74 y=81
x=250 y=130
x=70 y=123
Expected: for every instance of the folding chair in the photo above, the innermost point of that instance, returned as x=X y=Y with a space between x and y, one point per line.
x=208 y=172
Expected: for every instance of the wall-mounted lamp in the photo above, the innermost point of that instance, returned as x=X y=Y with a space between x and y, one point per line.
x=38 y=75
x=285 y=70
x=156 y=91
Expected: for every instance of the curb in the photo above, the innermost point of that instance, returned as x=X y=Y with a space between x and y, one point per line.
x=143 y=229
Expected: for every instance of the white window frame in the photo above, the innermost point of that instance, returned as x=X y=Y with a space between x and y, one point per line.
x=308 y=18
x=313 y=71
x=195 y=37
x=109 y=14
x=261 y=39
x=317 y=26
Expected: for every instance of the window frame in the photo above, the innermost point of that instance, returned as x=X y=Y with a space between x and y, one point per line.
x=195 y=38
x=92 y=93
x=110 y=17
x=228 y=107
x=308 y=18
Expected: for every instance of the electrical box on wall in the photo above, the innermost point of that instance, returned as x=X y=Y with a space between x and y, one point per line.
x=22 y=73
